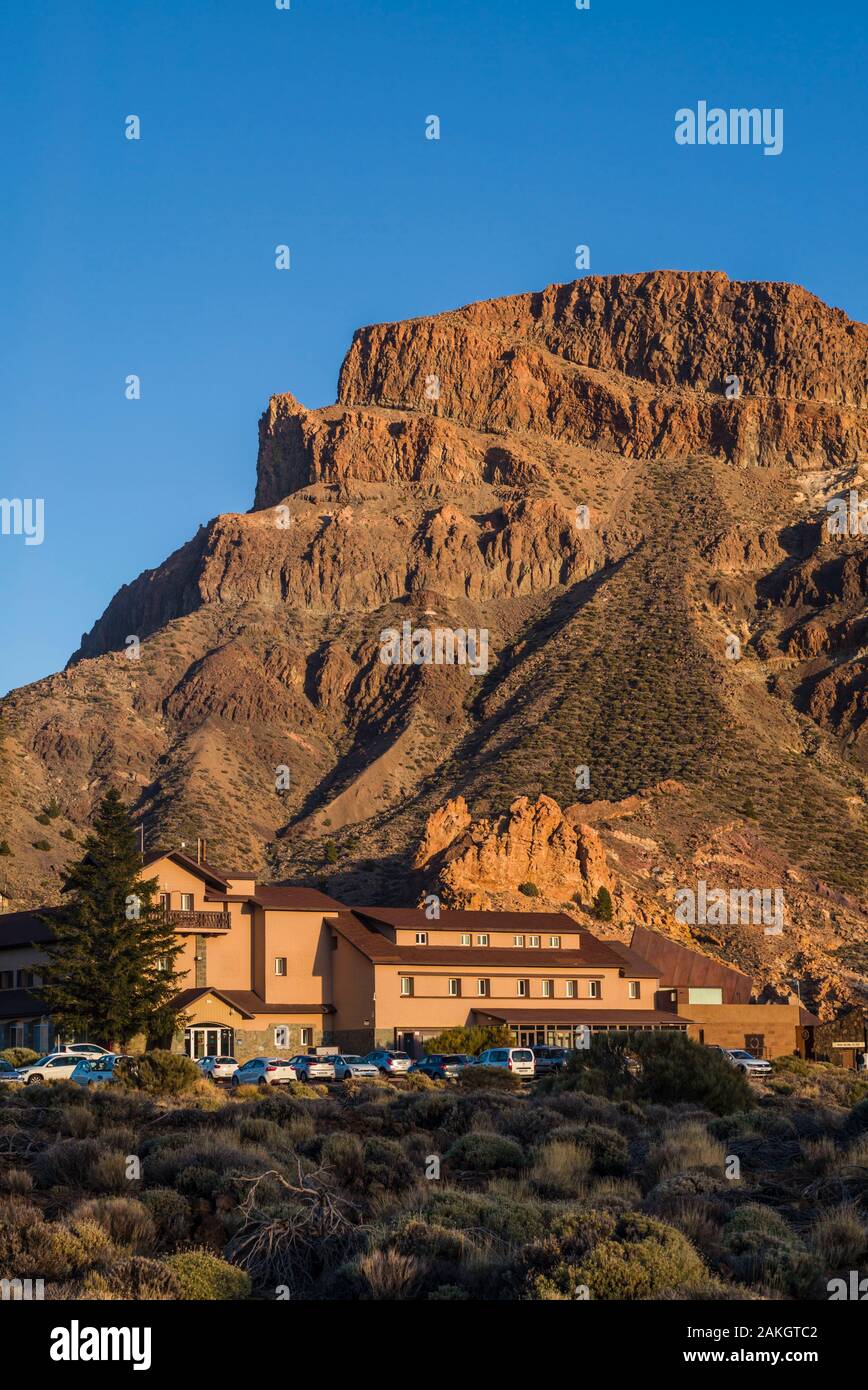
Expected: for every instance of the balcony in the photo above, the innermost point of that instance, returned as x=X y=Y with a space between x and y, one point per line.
x=198 y=921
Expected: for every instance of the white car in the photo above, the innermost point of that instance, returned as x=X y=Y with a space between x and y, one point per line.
x=746 y=1062
x=87 y=1049
x=516 y=1059
x=264 y=1071
x=218 y=1068
x=347 y=1066
x=312 y=1068
x=55 y=1066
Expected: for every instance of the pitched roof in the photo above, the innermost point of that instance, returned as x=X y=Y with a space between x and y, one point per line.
x=636 y=966
x=24 y=928
x=359 y=928
x=246 y=1002
x=451 y=919
x=20 y=1003
x=682 y=967
x=208 y=872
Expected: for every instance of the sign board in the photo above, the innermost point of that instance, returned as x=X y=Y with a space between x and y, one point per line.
x=860 y=1044
x=327 y=1051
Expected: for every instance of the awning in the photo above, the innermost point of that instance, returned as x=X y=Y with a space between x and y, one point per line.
x=567 y=1018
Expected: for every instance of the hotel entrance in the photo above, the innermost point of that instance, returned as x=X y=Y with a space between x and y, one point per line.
x=209 y=1040
x=549 y=1034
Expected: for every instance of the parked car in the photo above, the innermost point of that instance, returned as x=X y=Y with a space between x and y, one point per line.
x=516 y=1059
x=264 y=1071
x=389 y=1063
x=441 y=1066
x=549 y=1059
x=218 y=1068
x=8 y=1072
x=311 y=1068
x=95 y=1071
x=745 y=1061
x=54 y=1066
x=88 y=1049
x=348 y=1065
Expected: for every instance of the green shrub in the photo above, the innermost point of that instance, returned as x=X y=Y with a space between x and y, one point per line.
x=74 y=1163
x=19 y=1056
x=4 y=847
x=470 y=1041
x=530 y=890
x=478 y=1078
x=386 y=1165
x=160 y=1073
x=608 y=1149
x=203 y=1276
x=643 y=1260
x=603 y=905
x=511 y=1221
x=136 y=1279
x=32 y=1248
x=170 y=1214
x=345 y=1155
x=41 y=844
x=125 y=1220
x=485 y=1153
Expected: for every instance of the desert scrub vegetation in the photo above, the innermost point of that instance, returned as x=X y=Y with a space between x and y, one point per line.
x=643 y=1171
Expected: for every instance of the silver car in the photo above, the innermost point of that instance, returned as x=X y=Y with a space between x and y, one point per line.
x=264 y=1071
x=310 y=1068
x=95 y=1071
x=746 y=1062
x=348 y=1065
x=389 y=1062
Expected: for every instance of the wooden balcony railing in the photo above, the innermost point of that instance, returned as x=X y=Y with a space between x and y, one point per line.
x=199 y=921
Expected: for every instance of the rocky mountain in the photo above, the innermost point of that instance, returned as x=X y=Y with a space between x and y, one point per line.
x=624 y=486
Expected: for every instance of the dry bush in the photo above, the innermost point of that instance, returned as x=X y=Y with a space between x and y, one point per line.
x=688 y=1146
x=126 y=1221
x=387 y=1274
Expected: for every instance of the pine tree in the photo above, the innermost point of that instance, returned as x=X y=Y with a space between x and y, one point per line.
x=603 y=905
x=110 y=973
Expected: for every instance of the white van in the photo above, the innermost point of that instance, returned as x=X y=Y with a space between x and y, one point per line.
x=517 y=1059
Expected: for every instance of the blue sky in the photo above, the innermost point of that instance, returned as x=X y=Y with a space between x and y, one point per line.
x=307 y=127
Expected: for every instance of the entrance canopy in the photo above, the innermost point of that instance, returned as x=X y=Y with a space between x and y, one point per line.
x=560 y=1027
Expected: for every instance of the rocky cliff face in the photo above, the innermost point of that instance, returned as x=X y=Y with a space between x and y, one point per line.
x=624 y=483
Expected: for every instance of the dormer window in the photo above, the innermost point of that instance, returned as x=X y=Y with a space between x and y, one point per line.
x=465 y=938
x=555 y=943
x=482 y=940
x=533 y=941
x=421 y=938
x=518 y=941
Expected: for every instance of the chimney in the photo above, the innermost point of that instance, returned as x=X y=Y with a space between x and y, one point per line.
x=201 y=850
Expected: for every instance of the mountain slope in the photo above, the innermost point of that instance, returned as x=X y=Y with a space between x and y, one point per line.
x=624 y=482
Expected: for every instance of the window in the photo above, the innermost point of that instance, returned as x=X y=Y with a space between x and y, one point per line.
x=594 y=991
x=421 y=938
x=280 y=965
x=163 y=963
x=186 y=902
x=482 y=940
x=307 y=1037
x=281 y=1035
x=704 y=996
x=548 y=989
x=572 y=989
x=518 y=941
x=465 y=938
x=29 y=979
x=555 y=943
x=522 y=988
x=635 y=989
x=455 y=988
x=7 y=979
x=483 y=988
x=406 y=986
x=165 y=901
x=533 y=941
